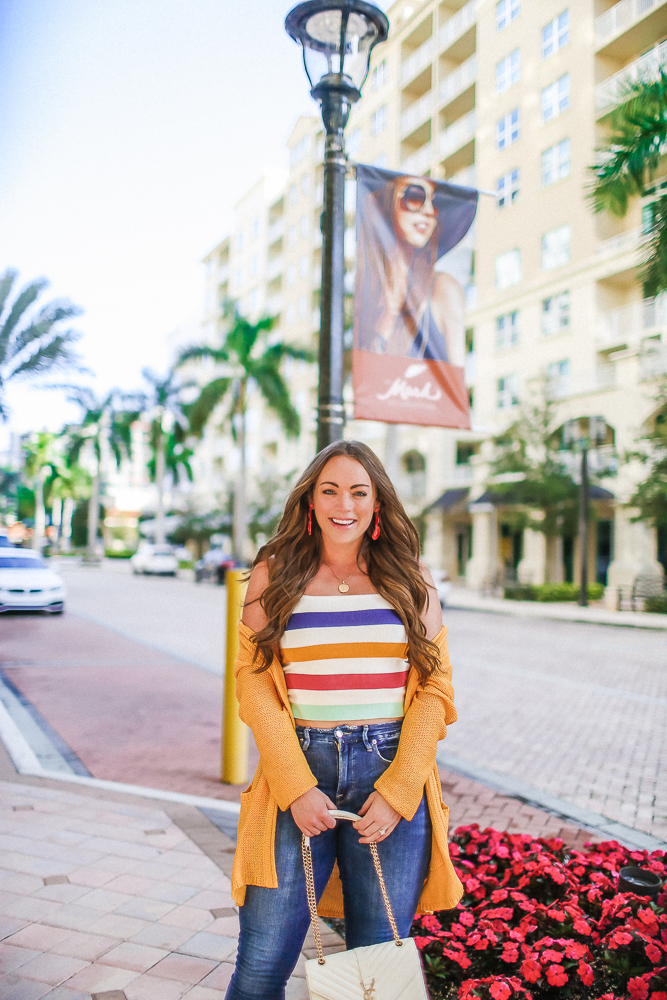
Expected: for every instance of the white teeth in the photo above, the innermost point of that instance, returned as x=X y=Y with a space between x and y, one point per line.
x=339 y=521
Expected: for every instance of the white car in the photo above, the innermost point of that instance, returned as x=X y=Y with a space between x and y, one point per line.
x=27 y=583
x=442 y=584
x=155 y=559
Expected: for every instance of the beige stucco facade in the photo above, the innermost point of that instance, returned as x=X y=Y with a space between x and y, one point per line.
x=476 y=93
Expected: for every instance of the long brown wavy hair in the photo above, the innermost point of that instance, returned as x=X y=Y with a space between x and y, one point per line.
x=293 y=557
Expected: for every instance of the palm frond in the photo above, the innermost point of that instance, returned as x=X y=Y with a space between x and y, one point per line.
x=199 y=411
x=196 y=352
x=23 y=301
x=274 y=390
x=7 y=279
x=55 y=354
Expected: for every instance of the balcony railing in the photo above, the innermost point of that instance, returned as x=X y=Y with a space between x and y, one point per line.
x=415 y=63
x=417 y=113
x=419 y=162
x=275 y=231
x=457 y=25
x=621 y=17
x=628 y=324
x=629 y=240
x=653 y=363
x=466 y=177
x=275 y=267
x=458 y=80
x=458 y=134
x=603 y=377
x=612 y=90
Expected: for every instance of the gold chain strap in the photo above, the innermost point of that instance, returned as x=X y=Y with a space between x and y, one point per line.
x=312 y=898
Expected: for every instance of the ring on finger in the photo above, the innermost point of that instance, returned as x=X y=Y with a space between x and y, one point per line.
x=382 y=832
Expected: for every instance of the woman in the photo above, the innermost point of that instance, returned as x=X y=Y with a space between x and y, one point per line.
x=407 y=307
x=343 y=676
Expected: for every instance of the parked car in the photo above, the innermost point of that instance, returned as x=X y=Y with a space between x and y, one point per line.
x=158 y=560
x=211 y=568
x=5 y=543
x=27 y=583
x=442 y=584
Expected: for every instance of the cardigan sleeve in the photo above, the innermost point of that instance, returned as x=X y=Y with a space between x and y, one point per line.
x=426 y=720
x=284 y=764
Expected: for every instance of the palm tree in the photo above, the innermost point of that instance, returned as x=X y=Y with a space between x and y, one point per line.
x=244 y=355
x=169 y=427
x=105 y=427
x=42 y=460
x=71 y=484
x=628 y=162
x=32 y=341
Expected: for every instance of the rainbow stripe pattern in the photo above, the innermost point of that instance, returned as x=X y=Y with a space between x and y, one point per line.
x=345 y=659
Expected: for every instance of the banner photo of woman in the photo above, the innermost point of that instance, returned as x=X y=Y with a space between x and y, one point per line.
x=409 y=330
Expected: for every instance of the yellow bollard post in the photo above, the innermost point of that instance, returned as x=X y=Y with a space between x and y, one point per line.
x=234 y=731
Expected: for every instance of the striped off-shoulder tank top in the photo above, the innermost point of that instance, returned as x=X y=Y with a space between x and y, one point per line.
x=345 y=658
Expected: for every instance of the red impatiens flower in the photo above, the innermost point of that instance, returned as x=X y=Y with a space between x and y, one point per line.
x=431 y=923
x=581 y=927
x=556 y=975
x=531 y=970
x=549 y=955
x=638 y=988
x=510 y=952
x=620 y=938
x=585 y=974
x=574 y=949
x=500 y=991
x=652 y=953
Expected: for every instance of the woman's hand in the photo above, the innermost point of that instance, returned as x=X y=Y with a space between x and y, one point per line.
x=310 y=812
x=377 y=815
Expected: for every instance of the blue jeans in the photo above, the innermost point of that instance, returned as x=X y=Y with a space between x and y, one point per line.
x=347 y=761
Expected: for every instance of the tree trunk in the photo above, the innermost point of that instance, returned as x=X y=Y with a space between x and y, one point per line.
x=93 y=518
x=40 y=514
x=240 y=513
x=66 y=531
x=159 y=483
x=57 y=520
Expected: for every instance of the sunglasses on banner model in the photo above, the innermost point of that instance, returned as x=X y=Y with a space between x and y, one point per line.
x=415 y=198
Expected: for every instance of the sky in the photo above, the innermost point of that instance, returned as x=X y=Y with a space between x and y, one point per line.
x=129 y=130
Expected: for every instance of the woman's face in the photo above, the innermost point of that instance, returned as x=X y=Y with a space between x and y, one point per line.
x=415 y=215
x=344 y=499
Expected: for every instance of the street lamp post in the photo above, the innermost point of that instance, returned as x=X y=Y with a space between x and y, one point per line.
x=582 y=435
x=337 y=37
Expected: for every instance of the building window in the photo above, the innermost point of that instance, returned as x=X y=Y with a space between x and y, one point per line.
x=353 y=141
x=414 y=467
x=305 y=184
x=464 y=452
x=507 y=129
x=291 y=236
x=290 y=314
x=508 y=269
x=555 y=34
x=239 y=277
x=253 y=300
x=303 y=266
x=507 y=330
x=291 y=274
x=556 y=162
x=507 y=391
x=556 y=98
x=254 y=265
x=293 y=195
x=303 y=226
x=240 y=240
x=556 y=247
x=379 y=75
x=506 y=11
x=254 y=229
x=555 y=313
x=508 y=71
x=303 y=307
x=507 y=188
x=379 y=120
x=380 y=161
x=558 y=377
x=298 y=152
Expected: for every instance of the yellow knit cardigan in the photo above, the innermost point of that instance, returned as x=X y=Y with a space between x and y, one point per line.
x=283 y=775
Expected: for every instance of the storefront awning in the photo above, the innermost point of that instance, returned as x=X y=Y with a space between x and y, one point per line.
x=449 y=499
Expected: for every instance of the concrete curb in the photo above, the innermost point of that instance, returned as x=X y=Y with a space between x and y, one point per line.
x=461 y=600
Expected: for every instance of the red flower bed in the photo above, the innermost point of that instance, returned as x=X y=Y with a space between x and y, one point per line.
x=540 y=920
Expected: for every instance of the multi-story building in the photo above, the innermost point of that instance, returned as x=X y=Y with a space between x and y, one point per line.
x=511 y=96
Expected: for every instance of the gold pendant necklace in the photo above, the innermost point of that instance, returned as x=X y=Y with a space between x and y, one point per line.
x=342 y=586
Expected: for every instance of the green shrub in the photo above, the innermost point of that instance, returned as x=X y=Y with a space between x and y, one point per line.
x=552 y=592
x=185 y=564
x=119 y=553
x=657 y=604
x=520 y=593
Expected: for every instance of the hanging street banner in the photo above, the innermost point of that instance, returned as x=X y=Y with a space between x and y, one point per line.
x=409 y=302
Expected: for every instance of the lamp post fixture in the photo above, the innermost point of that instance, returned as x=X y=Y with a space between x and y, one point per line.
x=582 y=438
x=337 y=37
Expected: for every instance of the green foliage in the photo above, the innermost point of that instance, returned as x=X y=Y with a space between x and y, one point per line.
x=529 y=465
x=165 y=399
x=656 y=604
x=650 y=495
x=119 y=553
x=26 y=503
x=629 y=160
x=107 y=417
x=548 y=592
x=33 y=340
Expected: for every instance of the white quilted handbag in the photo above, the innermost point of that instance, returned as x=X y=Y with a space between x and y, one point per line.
x=379 y=972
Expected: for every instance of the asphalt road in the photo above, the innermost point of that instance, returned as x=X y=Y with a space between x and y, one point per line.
x=577 y=711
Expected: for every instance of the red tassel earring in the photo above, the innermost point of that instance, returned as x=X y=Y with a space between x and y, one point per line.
x=310 y=519
x=376 y=529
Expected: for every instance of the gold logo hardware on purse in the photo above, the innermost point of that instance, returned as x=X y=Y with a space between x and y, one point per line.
x=392 y=973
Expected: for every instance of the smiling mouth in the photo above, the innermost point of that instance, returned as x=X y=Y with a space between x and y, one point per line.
x=344 y=522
